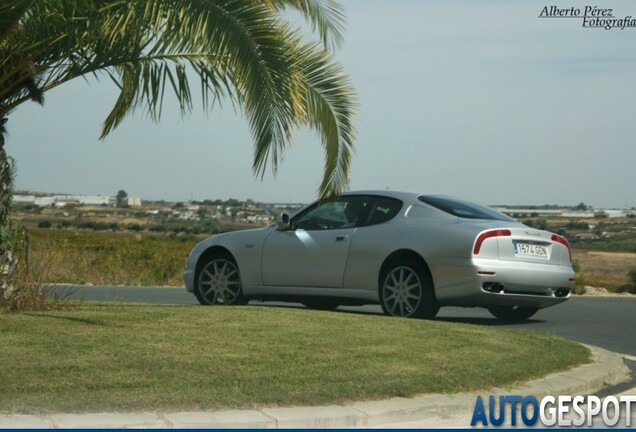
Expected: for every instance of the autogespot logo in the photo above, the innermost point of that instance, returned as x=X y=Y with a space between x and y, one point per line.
x=552 y=411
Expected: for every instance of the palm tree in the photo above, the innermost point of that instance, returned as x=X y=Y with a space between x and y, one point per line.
x=241 y=51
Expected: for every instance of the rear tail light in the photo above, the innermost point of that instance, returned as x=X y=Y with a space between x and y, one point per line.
x=564 y=242
x=489 y=234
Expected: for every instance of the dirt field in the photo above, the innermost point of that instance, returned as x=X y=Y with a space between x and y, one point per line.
x=604 y=269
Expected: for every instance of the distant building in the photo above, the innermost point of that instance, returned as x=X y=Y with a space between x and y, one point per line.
x=187 y=215
x=133 y=201
x=24 y=199
x=44 y=201
x=579 y=214
x=95 y=200
x=64 y=200
x=610 y=214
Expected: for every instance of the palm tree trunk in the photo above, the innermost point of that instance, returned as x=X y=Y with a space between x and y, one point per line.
x=7 y=262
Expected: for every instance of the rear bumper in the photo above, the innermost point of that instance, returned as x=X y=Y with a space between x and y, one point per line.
x=487 y=299
x=484 y=283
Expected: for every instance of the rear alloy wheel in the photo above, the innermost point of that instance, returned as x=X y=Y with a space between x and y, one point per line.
x=512 y=313
x=406 y=291
x=219 y=282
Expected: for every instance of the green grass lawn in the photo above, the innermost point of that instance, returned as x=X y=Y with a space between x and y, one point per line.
x=128 y=357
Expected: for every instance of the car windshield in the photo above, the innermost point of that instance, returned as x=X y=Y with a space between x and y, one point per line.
x=463 y=209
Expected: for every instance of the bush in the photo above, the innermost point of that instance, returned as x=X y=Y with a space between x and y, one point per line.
x=576 y=225
x=28 y=289
x=541 y=224
x=134 y=227
x=630 y=287
x=627 y=288
x=579 y=290
x=100 y=226
x=86 y=225
x=20 y=287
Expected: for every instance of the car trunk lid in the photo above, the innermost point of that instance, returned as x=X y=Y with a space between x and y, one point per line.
x=532 y=245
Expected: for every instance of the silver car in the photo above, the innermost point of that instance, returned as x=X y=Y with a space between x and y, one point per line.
x=409 y=252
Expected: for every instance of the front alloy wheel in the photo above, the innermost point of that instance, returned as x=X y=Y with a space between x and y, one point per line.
x=407 y=292
x=219 y=282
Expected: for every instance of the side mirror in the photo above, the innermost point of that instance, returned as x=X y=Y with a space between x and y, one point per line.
x=282 y=222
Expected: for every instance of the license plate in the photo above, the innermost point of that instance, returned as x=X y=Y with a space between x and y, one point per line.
x=530 y=250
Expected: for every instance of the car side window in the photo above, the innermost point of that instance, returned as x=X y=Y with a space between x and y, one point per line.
x=383 y=210
x=346 y=212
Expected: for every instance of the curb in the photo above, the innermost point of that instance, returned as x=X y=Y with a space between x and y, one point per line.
x=606 y=369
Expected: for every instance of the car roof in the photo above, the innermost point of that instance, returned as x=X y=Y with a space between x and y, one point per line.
x=401 y=195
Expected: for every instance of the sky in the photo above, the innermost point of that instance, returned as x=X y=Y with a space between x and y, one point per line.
x=478 y=99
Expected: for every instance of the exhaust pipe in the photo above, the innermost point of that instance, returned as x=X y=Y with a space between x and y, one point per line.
x=493 y=287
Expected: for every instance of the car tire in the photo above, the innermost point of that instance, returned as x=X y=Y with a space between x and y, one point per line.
x=512 y=313
x=406 y=290
x=218 y=281
x=325 y=305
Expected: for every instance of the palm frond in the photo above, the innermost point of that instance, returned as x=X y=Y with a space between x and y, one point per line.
x=11 y=11
x=331 y=104
x=240 y=50
x=325 y=16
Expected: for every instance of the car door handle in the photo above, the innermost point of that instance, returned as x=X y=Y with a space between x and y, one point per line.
x=341 y=238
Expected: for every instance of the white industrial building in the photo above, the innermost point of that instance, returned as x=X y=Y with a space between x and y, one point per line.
x=64 y=200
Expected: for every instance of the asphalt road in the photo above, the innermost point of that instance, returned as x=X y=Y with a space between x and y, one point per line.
x=606 y=322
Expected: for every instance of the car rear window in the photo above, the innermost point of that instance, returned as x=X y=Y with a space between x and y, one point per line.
x=463 y=209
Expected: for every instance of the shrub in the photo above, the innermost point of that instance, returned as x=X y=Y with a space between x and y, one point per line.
x=86 y=225
x=579 y=290
x=100 y=226
x=576 y=225
x=29 y=290
x=627 y=288
x=630 y=287
x=44 y=224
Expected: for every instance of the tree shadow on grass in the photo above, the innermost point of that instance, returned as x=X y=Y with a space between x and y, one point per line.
x=88 y=321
